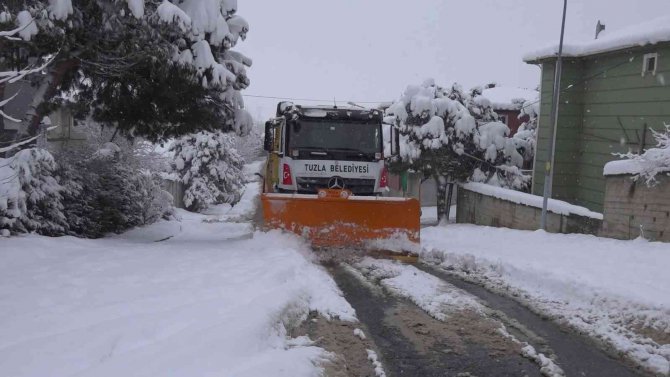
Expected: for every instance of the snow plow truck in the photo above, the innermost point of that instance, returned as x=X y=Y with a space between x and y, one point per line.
x=326 y=179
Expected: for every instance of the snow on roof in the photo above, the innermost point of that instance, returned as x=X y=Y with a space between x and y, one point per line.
x=506 y=98
x=555 y=206
x=648 y=33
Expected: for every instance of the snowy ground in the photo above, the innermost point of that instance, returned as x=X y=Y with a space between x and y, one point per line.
x=615 y=291
x=429 y=215
x=216 y=298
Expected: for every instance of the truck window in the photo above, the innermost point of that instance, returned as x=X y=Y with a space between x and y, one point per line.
x=364 y=138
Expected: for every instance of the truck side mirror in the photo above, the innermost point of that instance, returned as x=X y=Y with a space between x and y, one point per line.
x=268 y=143
x=395 y=141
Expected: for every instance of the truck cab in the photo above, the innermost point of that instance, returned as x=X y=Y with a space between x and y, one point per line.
x=325 y=147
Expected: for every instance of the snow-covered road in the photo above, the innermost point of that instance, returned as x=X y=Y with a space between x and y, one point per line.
x=215 y=299
x=618 y=292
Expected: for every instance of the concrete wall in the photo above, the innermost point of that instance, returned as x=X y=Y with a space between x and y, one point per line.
x=632 y=209
x=479 y=209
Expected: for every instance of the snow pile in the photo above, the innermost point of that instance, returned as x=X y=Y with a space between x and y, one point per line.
x=379 y=369
x=431 y=294
x=507 y=98
x=613 y=290
x=214 y=299
x=555 y=206
x=359 y=333
x=547 y=365
x=647 y=165
x=647 y=33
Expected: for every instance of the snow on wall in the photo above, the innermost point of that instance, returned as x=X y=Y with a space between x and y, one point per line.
x=646 y=165
x=647 y=33
x=555 y=206
x=507 y=98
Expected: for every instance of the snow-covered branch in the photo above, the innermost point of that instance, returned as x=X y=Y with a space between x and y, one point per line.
x=14 y=76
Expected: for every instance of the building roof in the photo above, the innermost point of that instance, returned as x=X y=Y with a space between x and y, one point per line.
x=647 y=33
x=509 y=98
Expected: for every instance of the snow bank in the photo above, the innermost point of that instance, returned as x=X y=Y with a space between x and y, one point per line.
x=188 y=298
x=555 y=206
x=647 y=33
x=197 y=304
x=606 y=288
x=507 y=98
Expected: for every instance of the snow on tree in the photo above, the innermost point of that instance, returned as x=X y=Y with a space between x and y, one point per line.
x=454 y=136
x=438 y=136
x=209 y=167
x=503 y=162
x=30 y=196
x=647 y=165
x=528 y=129
x=184 y=78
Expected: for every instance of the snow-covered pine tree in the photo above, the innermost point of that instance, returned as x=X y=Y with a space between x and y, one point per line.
x=110 y=187
x=183 y=79
x=438 y=136
x=31 y=195
x=209 y=167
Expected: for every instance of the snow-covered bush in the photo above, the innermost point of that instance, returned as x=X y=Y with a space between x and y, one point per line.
x=30 y=196
x=105 y=191
x=210 y=169
x=652 y=162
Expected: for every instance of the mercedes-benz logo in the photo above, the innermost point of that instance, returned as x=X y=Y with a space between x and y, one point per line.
x=336 y=183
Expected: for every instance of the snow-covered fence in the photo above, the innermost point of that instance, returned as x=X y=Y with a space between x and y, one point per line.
x=488 y=205
x=633 y=208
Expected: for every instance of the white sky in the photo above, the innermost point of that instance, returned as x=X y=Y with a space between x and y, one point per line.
x=370 y=50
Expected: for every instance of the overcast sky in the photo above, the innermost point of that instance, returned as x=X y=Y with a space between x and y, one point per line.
x=370 y=50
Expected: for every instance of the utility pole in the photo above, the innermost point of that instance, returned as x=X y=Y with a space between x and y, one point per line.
x=549 y=165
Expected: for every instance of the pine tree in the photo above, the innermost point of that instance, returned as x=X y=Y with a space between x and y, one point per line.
x=210 y=169
x=33 y=194
x=146 y=68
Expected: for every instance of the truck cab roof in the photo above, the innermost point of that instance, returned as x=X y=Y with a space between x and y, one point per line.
x=340 y=113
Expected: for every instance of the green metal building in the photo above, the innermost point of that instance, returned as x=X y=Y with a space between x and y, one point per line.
x=613 y=92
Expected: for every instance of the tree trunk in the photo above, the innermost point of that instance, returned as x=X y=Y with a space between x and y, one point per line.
x=441 y=186
x=450 y=195
x=46 y=91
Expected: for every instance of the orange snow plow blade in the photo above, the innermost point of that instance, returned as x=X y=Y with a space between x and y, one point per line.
x=335 y=219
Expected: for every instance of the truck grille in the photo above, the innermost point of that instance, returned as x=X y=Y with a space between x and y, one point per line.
x=355 y=185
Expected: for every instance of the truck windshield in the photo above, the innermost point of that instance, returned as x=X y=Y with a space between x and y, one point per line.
x=360 y=137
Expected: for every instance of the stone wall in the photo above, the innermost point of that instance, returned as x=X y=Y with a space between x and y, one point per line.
x=480 y=209
x=633 y=209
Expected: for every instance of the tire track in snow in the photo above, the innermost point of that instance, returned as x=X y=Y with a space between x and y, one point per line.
x=577 y=355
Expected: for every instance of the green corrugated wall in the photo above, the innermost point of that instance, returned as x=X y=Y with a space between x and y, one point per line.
x=605 y=103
